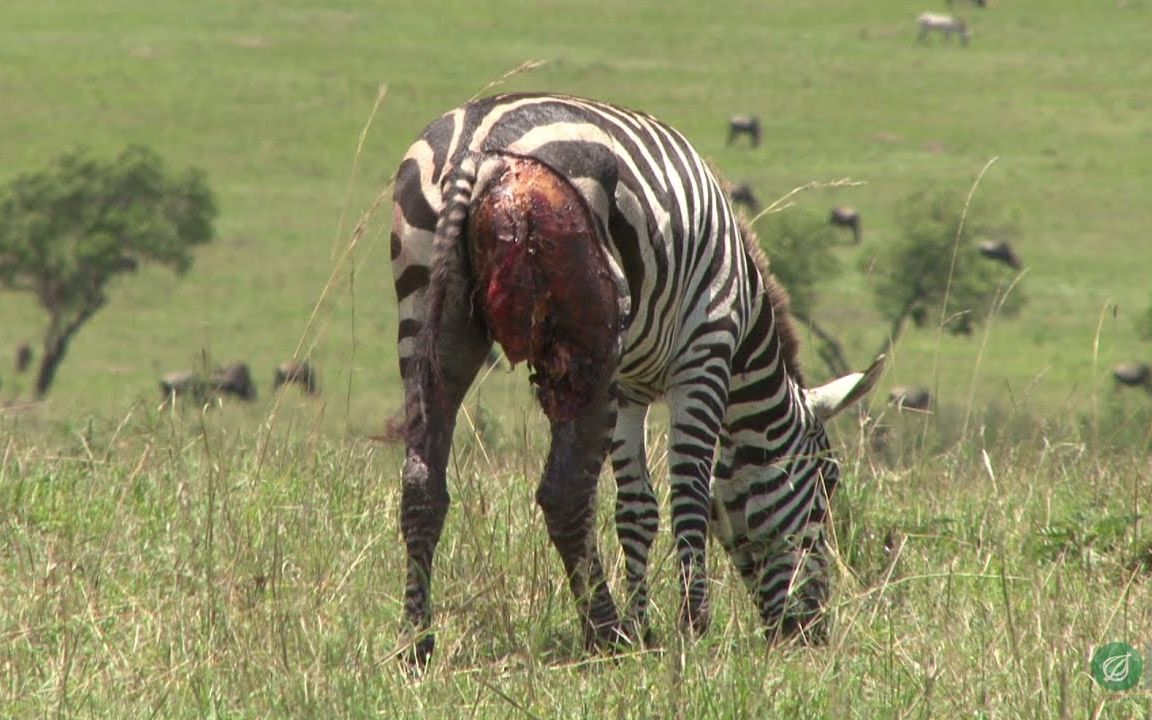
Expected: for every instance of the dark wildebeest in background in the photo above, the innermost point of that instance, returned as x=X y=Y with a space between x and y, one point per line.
x=23 y=357
x=849 y=217
x=741 y=194
x=744 y=125
x=910 y=398
x=296 y=373
x=1133 y=374
x=184 y=383
x=234 y=379
x=1000 y=251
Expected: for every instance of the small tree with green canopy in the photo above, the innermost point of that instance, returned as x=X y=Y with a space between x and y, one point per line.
x=934 y=272
x=928 y=273
x=66 y=231
x=799 y=246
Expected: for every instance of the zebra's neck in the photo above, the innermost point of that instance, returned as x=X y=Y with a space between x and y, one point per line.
x=767 y=419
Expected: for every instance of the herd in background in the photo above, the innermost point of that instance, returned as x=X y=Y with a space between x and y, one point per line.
x=904 y=398
x=229 y=381
x=234 y=380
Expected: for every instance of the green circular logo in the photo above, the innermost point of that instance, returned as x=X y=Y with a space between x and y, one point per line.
x=1117 y=666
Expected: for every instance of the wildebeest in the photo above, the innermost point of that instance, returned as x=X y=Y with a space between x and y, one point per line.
x=234 y=379
x=184 y=383
x=298 y=373
x=23 y=357
x=744 y=125
x=741 y=194
x=1133 y=374
x=1000 y=251
x=910 y=398
x=946 y=25
x=849 y=217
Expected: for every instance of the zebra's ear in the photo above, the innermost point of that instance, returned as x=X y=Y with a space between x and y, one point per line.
x=830 y=399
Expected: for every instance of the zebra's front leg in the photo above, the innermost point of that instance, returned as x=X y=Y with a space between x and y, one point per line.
x=567 y=496
x=637 y=513
x=791 y=586
x=695 y=424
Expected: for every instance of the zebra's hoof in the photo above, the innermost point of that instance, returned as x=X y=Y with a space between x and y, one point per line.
x=638 y=635
x=695 y=622
x=419 y=654
x=811 y=629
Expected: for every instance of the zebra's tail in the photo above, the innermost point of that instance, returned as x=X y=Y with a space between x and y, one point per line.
x=450 y=266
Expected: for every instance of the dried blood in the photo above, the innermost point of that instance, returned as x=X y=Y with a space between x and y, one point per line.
x=548 y=294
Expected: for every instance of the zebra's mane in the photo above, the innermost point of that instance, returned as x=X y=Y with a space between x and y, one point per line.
x=777 y=296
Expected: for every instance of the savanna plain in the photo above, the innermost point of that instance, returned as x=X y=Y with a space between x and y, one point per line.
x=245 y=561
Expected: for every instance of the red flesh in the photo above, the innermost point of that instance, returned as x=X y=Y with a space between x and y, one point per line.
x=548 y=292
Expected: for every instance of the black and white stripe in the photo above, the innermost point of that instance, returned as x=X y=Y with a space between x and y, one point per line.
x=700 y=333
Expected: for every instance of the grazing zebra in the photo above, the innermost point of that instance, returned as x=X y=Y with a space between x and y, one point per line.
x=594 y=243
x=946 y=25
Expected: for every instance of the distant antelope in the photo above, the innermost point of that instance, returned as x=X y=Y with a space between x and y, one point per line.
x=849 y=217
x=946 y=25
x=298 y=373
x=744 y=125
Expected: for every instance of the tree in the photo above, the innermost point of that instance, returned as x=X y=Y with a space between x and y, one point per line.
x=799 y=246
x=934 y=273
x=66 y=231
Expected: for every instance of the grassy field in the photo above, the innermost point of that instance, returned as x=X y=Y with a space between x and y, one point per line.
x=246 y=563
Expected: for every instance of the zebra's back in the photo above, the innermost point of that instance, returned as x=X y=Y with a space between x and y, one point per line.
x=658 y=208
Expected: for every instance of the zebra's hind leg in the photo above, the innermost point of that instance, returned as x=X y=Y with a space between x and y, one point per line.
x=437 y=374
x=567 y=496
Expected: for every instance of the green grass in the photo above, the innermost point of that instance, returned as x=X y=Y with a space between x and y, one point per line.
x=247 y=563
x=173 y=566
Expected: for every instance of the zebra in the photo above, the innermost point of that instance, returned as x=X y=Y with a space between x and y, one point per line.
x=594 y=243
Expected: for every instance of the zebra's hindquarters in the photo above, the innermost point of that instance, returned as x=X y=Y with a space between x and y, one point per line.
x=544 y=283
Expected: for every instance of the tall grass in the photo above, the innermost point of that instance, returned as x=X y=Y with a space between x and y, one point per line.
x=194 y=564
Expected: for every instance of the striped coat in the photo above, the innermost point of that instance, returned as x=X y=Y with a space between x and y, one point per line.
x=595 y=244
